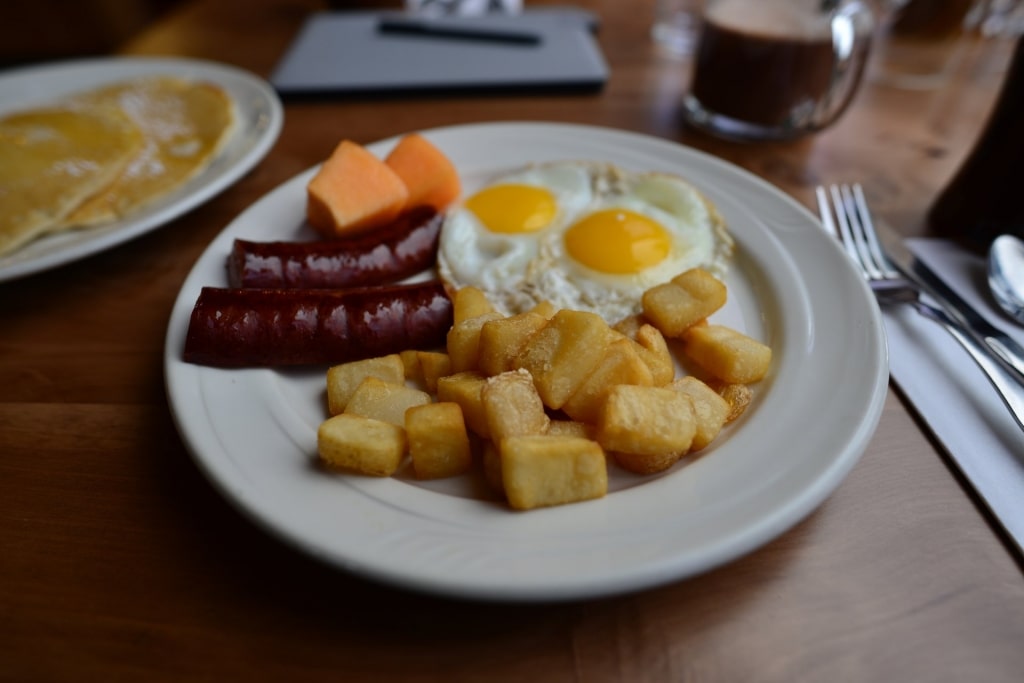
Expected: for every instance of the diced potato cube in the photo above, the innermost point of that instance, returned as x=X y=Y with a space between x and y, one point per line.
x=433 y=365
x=652 y=347
x=545 y=308
x=538 y=471
x=702 y=285
x=464 y=341
x=385 y=401
x=571 y=428
x=709 y=409
x=469 y=302
x=629 y=325
x=411 y=363
x=738 y=396
x=655 y=353
x=512 y=406
x=438 y=443
x=466 y=389
x=646 y=463
x=621 y=364
x=492 y=467
x=502 y=339
x=361 y=444
x=688 y=298
x=727 y=354
x=343 y=379
x=646 y=421
x=562 y=354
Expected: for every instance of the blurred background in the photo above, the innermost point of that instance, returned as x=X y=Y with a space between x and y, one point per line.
x=52 y=29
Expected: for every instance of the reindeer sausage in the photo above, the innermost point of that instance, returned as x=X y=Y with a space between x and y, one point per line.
x=389 y=254
x=275 y=327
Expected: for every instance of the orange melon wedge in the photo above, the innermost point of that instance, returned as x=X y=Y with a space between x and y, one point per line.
x=428 y=174
x=353 y=191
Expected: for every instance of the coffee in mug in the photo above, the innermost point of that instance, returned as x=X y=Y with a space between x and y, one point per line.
x=777 y=69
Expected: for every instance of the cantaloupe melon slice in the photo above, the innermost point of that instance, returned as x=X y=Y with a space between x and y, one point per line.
x=353 y=191
x=428 y=174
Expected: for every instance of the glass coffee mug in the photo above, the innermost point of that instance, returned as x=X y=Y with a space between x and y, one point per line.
x=777 y=69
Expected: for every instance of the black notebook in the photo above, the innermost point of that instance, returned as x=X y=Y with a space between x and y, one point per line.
x=549 y=49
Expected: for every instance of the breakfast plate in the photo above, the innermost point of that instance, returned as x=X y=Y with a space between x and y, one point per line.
x=253 y=431
x=258 y=120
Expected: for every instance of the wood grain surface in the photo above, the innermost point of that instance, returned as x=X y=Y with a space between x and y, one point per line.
x=120 y=561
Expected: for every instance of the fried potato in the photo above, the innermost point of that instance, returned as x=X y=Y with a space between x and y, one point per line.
x=433 y=365
x=512 y=406
x=343 y=379
x=411 y=363
x=385 y=401
x=727 y=354
x=652 y=347
x=361 y=444
x=502 y=339
x=688 y=298
x=738 y=396
x=709 y=409
x=630 y=325
x=469 y=302
x=571 y=428
x=464 y=341
x=621 y=364
x=545 y=308
x=491 y=458
x=466 y=389
x=563 y=354
x=538 y=471
x=646 y=463
x=653 y=422
x=438 y=442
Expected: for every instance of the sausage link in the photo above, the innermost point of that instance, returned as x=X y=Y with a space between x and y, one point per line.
x=392 y=253
x=274 y=327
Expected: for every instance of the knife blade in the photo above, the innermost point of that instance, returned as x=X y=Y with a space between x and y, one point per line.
x=912 y=268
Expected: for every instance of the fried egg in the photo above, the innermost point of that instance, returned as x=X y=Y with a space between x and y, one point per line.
x=492 y=237
x=625 y=233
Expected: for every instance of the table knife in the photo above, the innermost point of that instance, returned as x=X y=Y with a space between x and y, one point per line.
x=1001 y=344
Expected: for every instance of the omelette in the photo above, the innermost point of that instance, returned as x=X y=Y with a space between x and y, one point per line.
x=100 y=155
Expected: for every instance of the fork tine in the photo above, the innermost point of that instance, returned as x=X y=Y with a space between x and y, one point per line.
x=867 y=259
x=872 y=237
x=825 y=212
x=845 y=236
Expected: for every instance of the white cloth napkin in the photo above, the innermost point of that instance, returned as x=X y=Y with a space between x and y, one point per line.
x=951 y=393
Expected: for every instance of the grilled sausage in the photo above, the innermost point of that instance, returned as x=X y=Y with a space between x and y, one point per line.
x=271 y=327
x=395 y=252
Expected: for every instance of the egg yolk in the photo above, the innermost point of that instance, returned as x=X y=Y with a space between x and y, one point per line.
x=513 y=208
x=617 y=241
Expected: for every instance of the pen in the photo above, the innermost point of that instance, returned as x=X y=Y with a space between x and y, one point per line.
x=450 y=32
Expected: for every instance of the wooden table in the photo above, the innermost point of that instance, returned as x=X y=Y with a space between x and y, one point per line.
x=119 y=561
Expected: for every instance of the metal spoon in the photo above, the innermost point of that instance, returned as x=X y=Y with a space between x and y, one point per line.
x=1006 y=275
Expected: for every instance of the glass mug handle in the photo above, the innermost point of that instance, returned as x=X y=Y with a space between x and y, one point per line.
x=853 y=24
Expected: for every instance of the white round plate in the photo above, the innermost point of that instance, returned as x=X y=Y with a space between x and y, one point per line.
x=253 y=431
x=259 y=117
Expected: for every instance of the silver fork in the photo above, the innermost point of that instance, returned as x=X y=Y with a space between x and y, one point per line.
x=854 y=228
